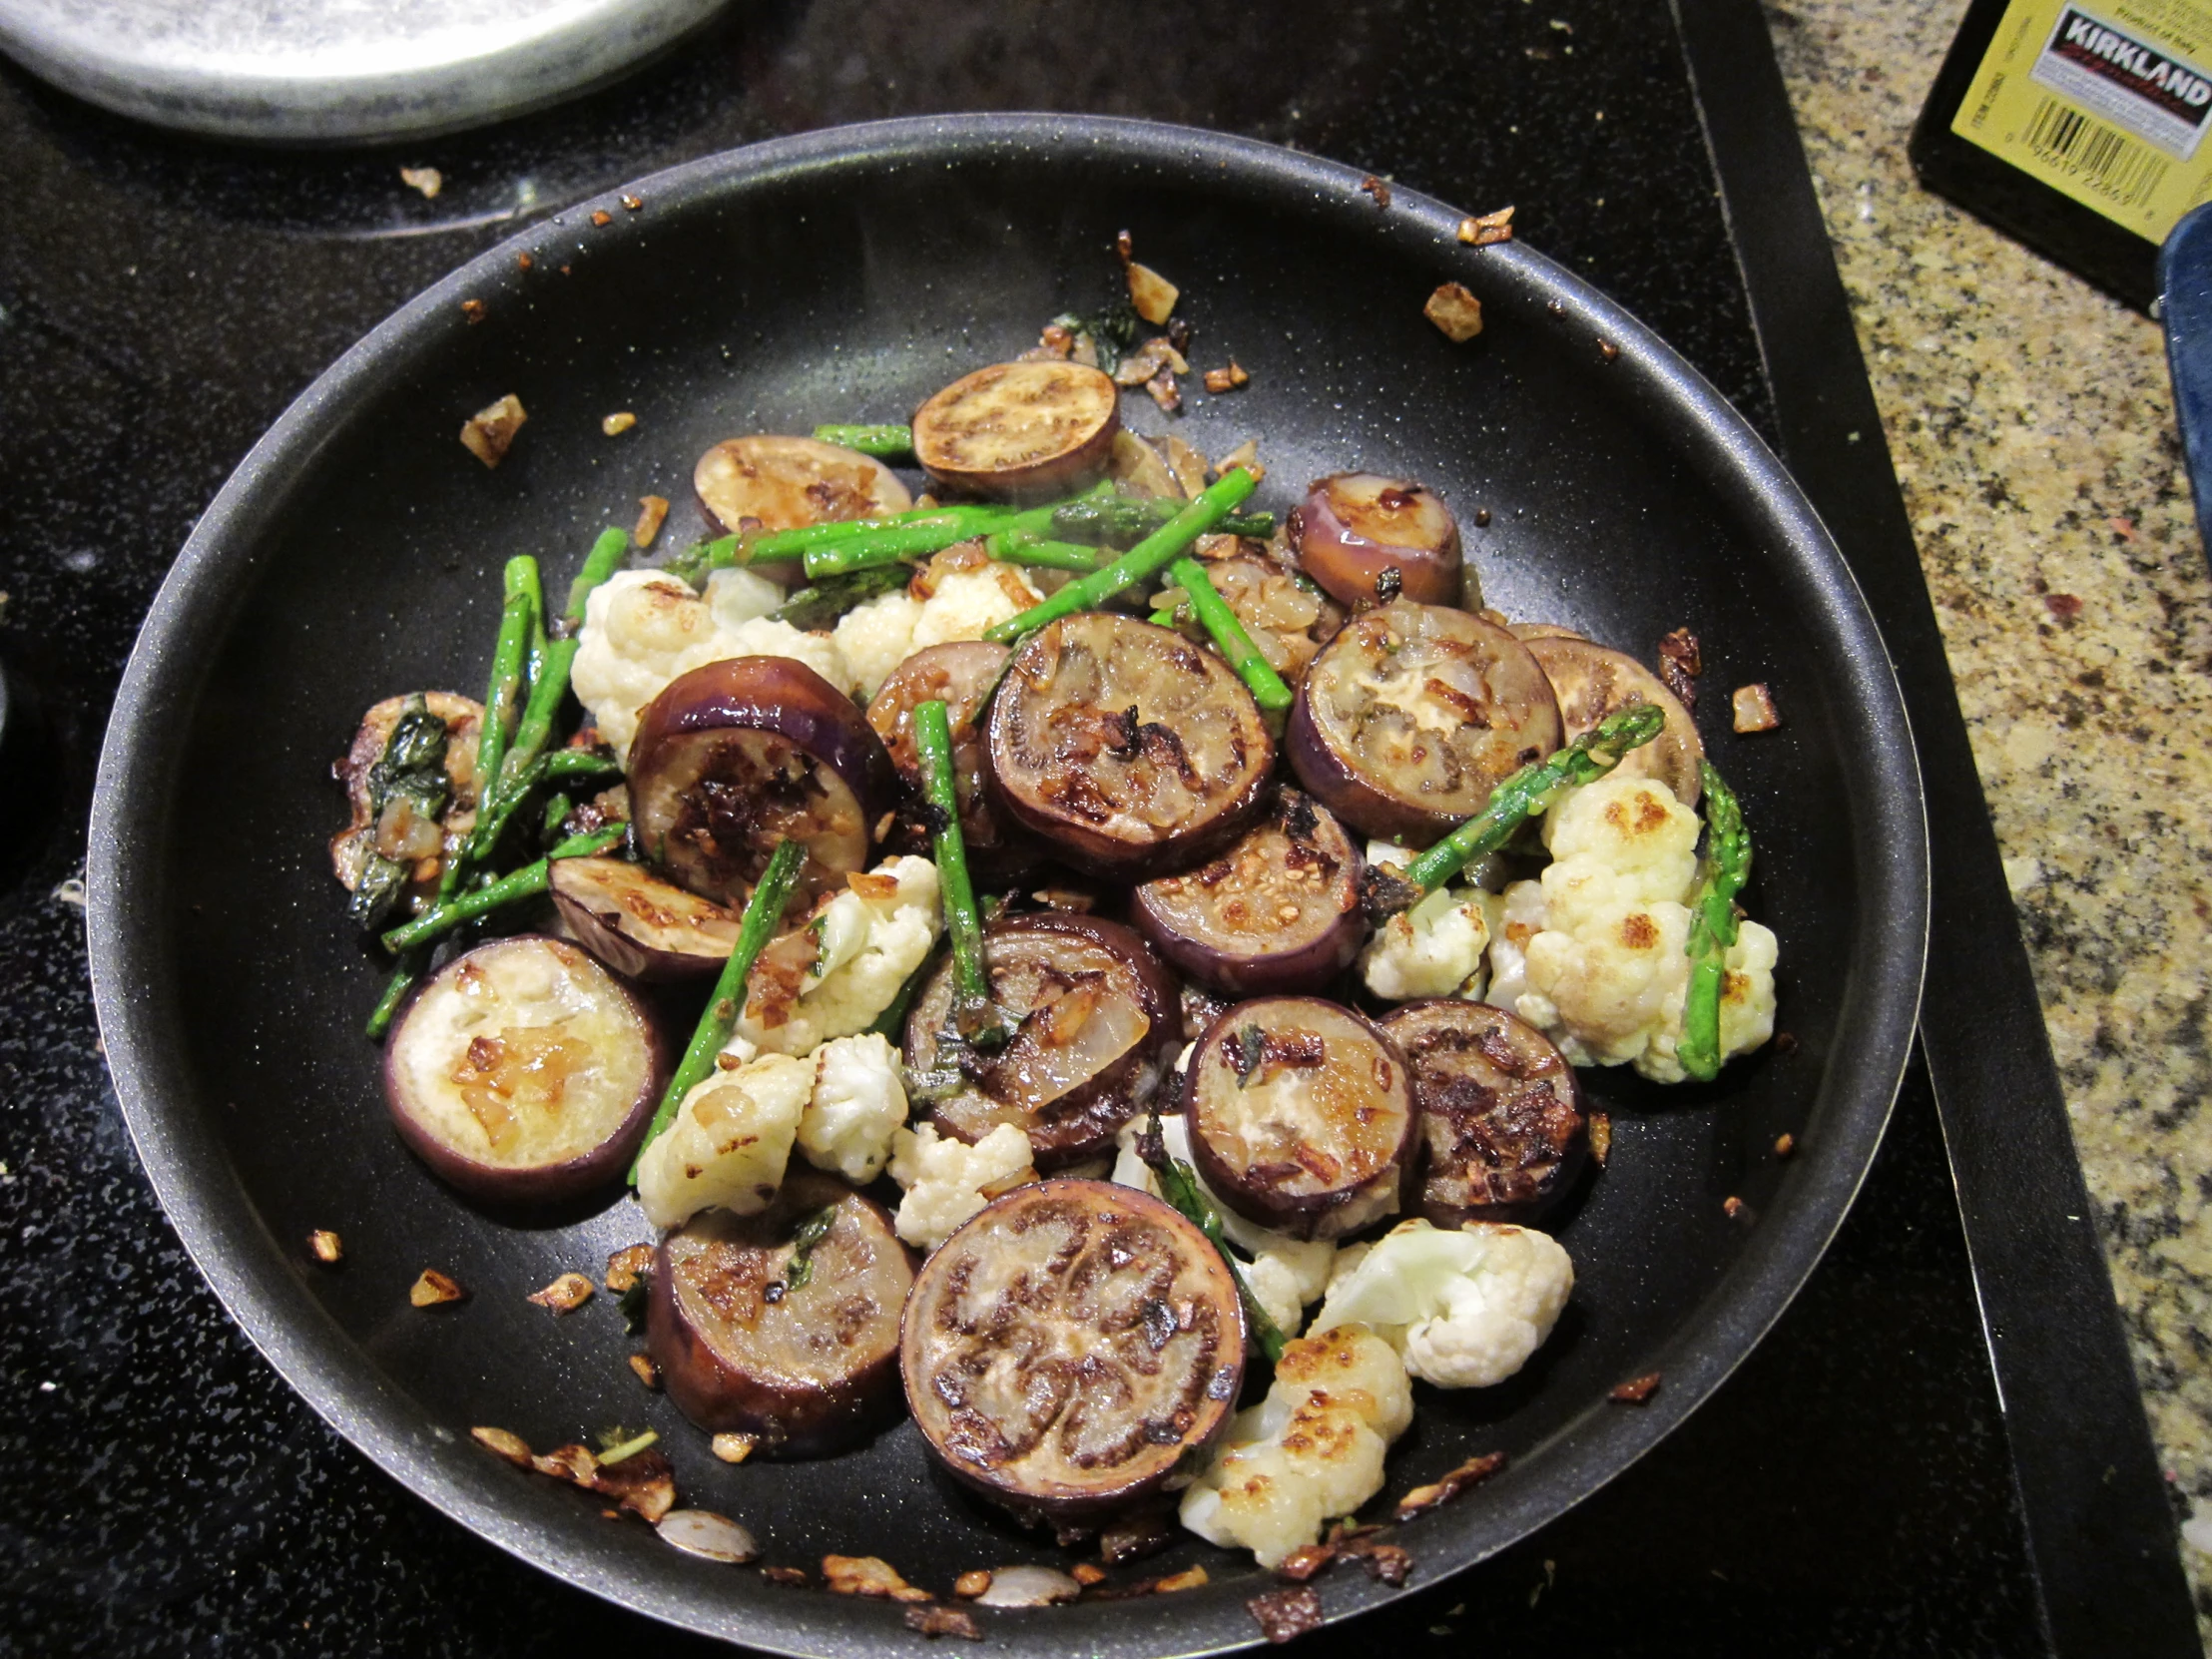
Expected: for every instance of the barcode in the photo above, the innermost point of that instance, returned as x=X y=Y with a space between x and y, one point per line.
x=2108 y=162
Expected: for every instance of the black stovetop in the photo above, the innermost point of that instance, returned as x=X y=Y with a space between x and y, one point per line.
x=161 y=1492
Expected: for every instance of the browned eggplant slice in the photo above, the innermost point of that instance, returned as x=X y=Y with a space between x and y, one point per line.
x=1355 y=527
x=787 y=483
x=638 y=925
x=961 y=675
x=1301 y=1116
x=1277 y=912
x=1071 y=1347
x=1100 y=1022
x=803 y=1356
x=524 y=1072
x=1594 y=681
x=1019 y=430
x=739 y=756
x=1502 y=1124
x=1125 y=746
x=364 y=835
x=1413 y=714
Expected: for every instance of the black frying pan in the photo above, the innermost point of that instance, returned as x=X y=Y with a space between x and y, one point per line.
x=845 y=276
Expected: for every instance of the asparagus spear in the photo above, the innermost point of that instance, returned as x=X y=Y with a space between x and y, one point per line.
x=973 y=1016
x=866 y=545
x=886 y=444
x=1179 y=1185
x=1108 y=516
x=764 y=914
x=510 y=672
x=1713 y=926
x=1529 y=790
x=1268 y=689
x=1148 y=558
x=528 y=882
x=820 y=605
x=1026 y=547
x=551 y=687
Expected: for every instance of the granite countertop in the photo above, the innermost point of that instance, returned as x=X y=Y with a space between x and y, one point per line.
x=2031 y=423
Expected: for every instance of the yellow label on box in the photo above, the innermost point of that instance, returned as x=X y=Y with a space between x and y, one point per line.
x=2110 y=103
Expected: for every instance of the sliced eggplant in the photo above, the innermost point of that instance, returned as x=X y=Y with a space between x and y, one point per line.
x=1125 y=746
x=1413 y=714
x=638 y=925
x=1019 y=430
x=1354 y=529
x=1099 y=1022
x=370 y=834
x=1528 y=633
x=783 y=1326
x=961 y=675
x=1288 y=616
x=1503 y=1129
x=1277 y=913
x=1301 y=1116
x=786 y=483
x=1071 y=1348
x=524 y=1072
x=1594 y=681
x=739 y=756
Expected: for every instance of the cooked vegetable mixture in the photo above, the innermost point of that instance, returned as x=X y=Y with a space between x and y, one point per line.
x=1123 y=928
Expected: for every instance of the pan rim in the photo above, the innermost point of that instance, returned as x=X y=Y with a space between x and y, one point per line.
x=248 y=1269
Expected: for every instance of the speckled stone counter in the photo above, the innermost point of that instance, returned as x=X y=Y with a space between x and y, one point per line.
x=2031 y=424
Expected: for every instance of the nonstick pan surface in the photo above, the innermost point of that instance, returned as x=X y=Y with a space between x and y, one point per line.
x=843 y=276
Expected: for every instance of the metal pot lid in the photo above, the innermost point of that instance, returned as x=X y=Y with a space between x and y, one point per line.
x=323 y=71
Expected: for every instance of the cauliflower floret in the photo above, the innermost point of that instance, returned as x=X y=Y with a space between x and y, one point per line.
x=859 y=1102
x=1593 y=953
x=1312 y=1450
x=876 y=637
x=1433 y=949
x=1467 y=1307
x=958 y=597
x=947 y=1181
x=730 y=1142
x=1285 y=1274
x=870 y=938
x=643 y=627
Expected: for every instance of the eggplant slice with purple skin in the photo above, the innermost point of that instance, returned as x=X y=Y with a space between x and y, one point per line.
x=1413 y=714
x=783 y=1324
x=787 y=483
x=1019 y=431
x=961 y=675
x=1071 y=1347
x=1505 y=1132
x=1277 y=913
x=739 y=756
x=1126 y=747
x=524 y=1073
x=1355 y=527
x=1099 y=1022
x=1594 y=681
x=640 y=925
x=1301 y=1116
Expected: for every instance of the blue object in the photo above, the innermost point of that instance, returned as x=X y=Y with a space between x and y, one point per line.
x=2185 y=306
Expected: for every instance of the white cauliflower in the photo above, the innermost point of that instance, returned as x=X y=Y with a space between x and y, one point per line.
x=947 y=1181
x=1433 y=949
x=870 y=938
x=1312 y=1450
x=1592 y=954
x=1465 y=1308
x=643 y=627
x=730 y=1142
x=1285 y=1274
x=958 y=596
x=859 y=1102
